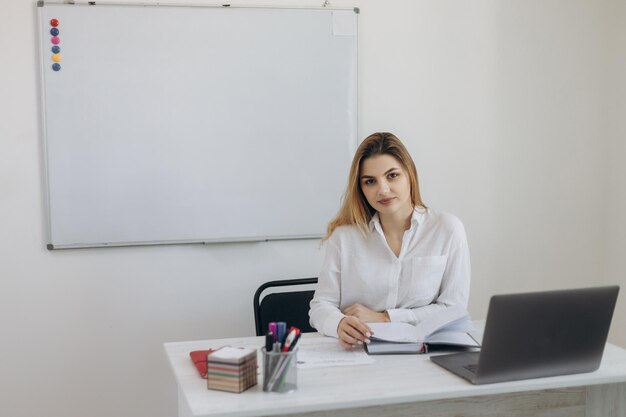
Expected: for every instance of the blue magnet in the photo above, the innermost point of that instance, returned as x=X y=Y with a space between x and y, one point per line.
x=56 y=49
x=56 y=66
x=54 y=31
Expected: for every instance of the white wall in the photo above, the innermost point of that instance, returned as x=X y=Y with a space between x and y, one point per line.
x=504 y=106
x=616 y=173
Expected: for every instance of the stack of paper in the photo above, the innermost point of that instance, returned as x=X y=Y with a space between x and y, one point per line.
x=231 y=369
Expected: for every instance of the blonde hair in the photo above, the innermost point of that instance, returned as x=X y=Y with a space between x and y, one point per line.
x=355 y=210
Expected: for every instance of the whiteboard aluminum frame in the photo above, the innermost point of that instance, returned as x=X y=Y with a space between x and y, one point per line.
x=42 y=3
x=78 y=245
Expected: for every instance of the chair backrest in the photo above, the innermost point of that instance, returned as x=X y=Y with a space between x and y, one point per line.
x=291 y=307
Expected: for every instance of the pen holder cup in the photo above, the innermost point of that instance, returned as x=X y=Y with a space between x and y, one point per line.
x=280 y=373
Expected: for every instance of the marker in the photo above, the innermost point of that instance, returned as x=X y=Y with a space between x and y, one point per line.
x=271 y=327
x=290 y=339
x=295 y=341
x=269 y=341
x=281 y=331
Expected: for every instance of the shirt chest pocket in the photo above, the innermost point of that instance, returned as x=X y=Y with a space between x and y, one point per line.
x=425 y=278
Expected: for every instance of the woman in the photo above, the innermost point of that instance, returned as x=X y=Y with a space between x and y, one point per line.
x=388 y=256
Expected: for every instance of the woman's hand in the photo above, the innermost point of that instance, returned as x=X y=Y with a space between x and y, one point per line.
x=353 y=331
x=365 y=314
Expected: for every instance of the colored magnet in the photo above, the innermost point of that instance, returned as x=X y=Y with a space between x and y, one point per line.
x=55 y=40
x=56 y=67
x=56 y=49
x=54 y=22
x=56 y=57
x=54 y=31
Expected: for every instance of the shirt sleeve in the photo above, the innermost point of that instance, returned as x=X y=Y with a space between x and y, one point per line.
x=454 y=289
x=324 y=313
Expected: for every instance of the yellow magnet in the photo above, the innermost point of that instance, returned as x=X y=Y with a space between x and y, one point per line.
x=56 y=57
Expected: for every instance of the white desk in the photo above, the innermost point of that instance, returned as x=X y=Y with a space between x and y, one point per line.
x=401 y=385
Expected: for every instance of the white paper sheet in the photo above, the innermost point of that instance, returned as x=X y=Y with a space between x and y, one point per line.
x=327 y=351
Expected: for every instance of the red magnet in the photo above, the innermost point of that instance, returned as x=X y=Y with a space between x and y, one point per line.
x=55 y=40
x=54 y=22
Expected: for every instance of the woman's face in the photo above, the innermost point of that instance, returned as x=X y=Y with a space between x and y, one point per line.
x=385 y=184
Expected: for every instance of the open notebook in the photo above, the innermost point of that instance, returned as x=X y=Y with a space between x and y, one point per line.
x=448 y=327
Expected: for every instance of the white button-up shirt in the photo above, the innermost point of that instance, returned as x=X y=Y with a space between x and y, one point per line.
x=432 y=271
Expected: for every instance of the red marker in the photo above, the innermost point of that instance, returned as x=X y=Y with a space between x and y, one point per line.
x=291 y=338
x=293 y=344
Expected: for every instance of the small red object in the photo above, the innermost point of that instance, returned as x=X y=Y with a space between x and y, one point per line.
x=199 y=358
x=54 y=22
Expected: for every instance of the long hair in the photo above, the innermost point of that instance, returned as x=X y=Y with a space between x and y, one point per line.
x=355 y=210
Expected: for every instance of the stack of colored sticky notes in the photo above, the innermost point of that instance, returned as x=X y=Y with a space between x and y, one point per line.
x=232 y=369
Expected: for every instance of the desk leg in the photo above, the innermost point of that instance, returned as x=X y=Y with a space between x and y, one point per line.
x=183 y=409
x=607 y=400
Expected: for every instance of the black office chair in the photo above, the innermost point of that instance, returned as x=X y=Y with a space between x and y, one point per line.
x=291 y=307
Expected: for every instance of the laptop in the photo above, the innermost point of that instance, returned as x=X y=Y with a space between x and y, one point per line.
x=538 y=334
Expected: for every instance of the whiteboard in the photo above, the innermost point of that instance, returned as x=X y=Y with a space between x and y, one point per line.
x=189 y=124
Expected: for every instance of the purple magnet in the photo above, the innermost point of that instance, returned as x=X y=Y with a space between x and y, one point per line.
x=55 y=40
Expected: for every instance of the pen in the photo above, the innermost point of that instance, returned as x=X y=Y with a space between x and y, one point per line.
x=291 y=337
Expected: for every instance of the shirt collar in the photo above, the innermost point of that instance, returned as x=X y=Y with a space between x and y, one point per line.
x=416 y=219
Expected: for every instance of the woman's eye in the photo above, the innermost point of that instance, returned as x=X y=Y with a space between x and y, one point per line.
x=368 y=181
x=393 y=175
